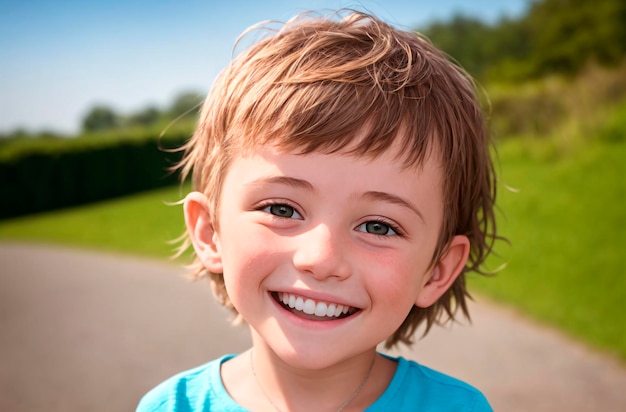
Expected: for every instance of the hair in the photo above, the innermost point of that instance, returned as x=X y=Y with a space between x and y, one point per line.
x=353 y=84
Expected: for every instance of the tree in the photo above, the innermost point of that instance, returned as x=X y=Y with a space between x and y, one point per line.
x=566 y=34
x=100 y=118
x=145 y=117
x=554 y=36
x=186 y=104
x=464 y=39
x=478 y=46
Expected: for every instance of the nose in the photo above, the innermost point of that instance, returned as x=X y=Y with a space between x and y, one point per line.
x=322 y=253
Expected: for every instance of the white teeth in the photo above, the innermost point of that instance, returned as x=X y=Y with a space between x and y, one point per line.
x=320 y=309
x=339 y=310
x=311 y=307
x=330 y=311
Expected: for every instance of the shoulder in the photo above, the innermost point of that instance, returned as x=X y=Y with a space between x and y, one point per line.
x=197 y=389
x=415 y=386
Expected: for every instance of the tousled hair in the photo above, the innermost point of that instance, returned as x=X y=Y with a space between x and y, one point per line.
x=353 y=84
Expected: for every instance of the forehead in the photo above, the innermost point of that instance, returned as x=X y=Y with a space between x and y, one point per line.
x=265 y=163
x=364 y=143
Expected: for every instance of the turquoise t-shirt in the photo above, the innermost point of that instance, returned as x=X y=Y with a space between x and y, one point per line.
x=413 y=388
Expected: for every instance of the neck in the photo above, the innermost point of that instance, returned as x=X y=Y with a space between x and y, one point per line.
x=291 y=388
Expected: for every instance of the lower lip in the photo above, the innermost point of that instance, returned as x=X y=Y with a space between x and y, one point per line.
x=309 y=323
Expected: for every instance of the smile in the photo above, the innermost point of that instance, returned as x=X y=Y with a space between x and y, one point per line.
x=312 y=309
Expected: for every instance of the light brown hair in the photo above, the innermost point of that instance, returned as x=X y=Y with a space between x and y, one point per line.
x=318 y=82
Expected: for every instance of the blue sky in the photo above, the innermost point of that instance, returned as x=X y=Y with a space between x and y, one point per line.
x=59 y=58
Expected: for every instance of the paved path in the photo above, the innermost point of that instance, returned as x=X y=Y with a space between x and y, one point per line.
x=83 y=331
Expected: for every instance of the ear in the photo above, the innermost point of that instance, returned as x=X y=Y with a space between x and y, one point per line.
x=444 y=272
x=201 y=230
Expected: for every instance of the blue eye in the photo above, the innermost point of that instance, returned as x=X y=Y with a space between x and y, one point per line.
x=377 y=228
x=282 y=210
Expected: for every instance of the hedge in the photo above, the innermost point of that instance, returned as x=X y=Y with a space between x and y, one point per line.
x=78 y=171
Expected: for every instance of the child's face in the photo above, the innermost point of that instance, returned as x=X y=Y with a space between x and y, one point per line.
x=333 y=231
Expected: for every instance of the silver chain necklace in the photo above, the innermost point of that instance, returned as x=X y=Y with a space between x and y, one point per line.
x=343 y=405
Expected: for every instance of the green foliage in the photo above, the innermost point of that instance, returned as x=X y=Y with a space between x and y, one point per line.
x=143 y=224
x=531 y=110
x=67 y=172
x=567 y=104
x=554 y=36
x=566 y=34
x=146 y=117
x=475 y=45
x=185 y=105
x=100 y=118
x=19 y=134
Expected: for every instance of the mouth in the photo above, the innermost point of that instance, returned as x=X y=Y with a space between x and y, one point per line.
x=310 y=309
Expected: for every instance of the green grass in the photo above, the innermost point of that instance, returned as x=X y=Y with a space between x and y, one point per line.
x=141 y=224
x=566 y=224
x=566 y=264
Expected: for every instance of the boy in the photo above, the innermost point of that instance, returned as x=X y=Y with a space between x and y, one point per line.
x=343 y=189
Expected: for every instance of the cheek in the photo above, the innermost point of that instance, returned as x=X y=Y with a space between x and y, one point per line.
x=395 y=279
x=247 y=257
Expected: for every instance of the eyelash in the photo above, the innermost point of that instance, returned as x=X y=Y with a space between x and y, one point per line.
x=271 y=203
x=393 y=226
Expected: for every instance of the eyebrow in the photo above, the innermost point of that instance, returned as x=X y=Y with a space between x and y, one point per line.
x=303 y=184
x=282 y=180
x=396 y=200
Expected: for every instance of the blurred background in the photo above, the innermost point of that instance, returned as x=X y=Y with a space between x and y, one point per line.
x=91 y=93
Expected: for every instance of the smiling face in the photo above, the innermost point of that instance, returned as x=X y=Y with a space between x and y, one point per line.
x=324 y=255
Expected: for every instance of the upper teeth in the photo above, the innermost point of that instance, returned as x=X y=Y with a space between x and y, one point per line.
x=311 y=307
